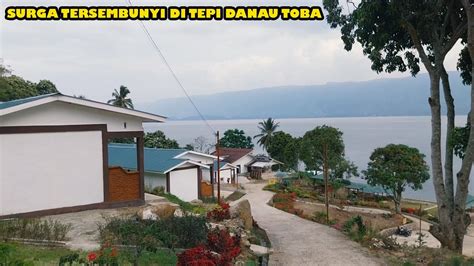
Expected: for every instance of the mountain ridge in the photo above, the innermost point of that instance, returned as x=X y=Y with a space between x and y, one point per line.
x=378 y=97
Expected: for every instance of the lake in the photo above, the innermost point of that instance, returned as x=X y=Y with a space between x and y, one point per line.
x=361 y=136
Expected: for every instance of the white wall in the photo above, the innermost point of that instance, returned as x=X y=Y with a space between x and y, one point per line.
x=50 y=170
x=153 y=180
x=226 y=173
x=60 y=113
x=184 y=184
x=243 y=162
x=198 y=158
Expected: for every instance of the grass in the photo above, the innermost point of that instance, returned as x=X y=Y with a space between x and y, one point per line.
x=185 y=206
x=34 y=229
x=235 y=195
x=34 y=255
x=31 y=255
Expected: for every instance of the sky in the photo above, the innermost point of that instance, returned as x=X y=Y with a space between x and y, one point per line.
x=94 y=58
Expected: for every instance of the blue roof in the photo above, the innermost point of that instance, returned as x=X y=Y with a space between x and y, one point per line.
x=359 y=186
x=155 y=160
x=5 y=105
x=222 y=164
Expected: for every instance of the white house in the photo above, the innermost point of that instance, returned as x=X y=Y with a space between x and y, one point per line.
x=228 y=172
x=54 y=156
x=241 y=158
x=179 y=171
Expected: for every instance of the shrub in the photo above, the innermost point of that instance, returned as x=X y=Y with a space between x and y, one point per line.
x=175 y=232
x=34 y=229
x=219 y=213
x=361 y=228
x=196 y=256
x=221 y=249
x=7 y=257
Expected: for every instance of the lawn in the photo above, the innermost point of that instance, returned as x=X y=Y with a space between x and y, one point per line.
x=18 y=254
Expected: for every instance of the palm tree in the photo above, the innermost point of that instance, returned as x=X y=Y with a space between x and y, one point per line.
x=267 y=129
x=120 y=98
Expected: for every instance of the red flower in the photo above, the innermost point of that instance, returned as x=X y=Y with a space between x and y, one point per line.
x=92 y=256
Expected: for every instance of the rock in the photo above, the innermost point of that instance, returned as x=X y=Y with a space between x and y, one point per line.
x=178 y=213
x=246 y=243
x=218 y=226
x=196 y=202
x=259 y=250
x=165 y=211
x=243 y=211
x=147 y=214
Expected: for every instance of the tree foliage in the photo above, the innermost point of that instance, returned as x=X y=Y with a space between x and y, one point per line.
x=15 y=87
x=395 y=167
x=236 y=138
x=158 y=139
x=45 y=87
x=267 y=129
x=313 y=145
x=285 y=149
x=120 y=98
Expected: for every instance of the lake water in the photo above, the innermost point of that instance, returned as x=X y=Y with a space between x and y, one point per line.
x=361 y=136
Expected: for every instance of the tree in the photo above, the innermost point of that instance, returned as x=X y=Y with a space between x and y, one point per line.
x=390 y=32
x=201 y=144
x=158 y=139
x=45 y=87
x=312 y=152
x=395 y=167
x=285 y=149
x=120 y=98
x=14 y=87
x=4 y=70
x=18 y=88
x=236 y=138
x=267 y=129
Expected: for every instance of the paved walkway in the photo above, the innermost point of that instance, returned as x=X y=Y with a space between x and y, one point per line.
x=297 y=241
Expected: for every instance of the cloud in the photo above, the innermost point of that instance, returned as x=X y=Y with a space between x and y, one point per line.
x=93 y=58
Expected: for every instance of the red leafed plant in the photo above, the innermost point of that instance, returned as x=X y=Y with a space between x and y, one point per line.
x=199 y=255
x=91 y=256
x=221 y=250
x=219 y=213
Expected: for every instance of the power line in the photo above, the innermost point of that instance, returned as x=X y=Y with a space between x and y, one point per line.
x=157 y=48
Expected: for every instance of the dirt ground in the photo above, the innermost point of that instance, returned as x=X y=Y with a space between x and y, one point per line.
x=377 y=221
x=84 y=231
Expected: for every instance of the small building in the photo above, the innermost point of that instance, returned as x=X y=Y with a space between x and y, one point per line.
x=241 y=158
x=54 y=156
x=261 y=164
x=228 y=172
x=180 y=172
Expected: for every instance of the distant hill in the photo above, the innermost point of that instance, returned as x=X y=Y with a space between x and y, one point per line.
x=383 y=97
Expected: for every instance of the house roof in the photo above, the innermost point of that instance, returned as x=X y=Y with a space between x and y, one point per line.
x=156 y=160
x=196 y=153
x=22 y=104
x=233 y=154
x=224 y=165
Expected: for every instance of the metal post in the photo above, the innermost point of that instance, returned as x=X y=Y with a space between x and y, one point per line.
x=218 y=169
x=325 y=172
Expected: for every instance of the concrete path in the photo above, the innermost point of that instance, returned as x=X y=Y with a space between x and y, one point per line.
x=297 y=241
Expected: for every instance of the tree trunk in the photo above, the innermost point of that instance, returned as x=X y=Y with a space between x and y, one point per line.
x=444 y=231
x=449 y=154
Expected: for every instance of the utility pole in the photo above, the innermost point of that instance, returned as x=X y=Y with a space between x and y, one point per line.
x=218 y=169
x=325 y=173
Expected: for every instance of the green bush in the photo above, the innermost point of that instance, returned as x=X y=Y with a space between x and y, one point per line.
x=175 y=232
x=34 y=229
x=361 y=229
